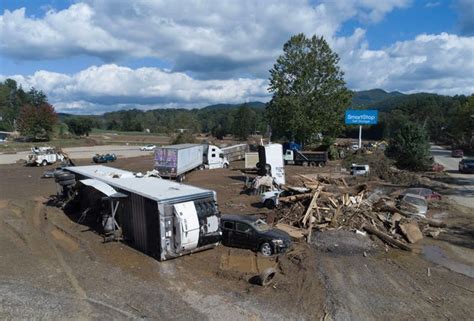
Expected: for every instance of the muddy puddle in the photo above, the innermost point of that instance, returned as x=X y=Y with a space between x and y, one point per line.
x=436 y=255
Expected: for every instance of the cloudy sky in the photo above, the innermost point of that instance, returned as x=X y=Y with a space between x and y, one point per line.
x=100 y=55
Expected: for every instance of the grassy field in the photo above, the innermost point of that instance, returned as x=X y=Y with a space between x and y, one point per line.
x=97 y=137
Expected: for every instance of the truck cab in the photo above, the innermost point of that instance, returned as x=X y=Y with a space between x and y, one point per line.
x=214 y=158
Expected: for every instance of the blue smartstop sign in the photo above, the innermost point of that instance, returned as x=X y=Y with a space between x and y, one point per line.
x=361 y=117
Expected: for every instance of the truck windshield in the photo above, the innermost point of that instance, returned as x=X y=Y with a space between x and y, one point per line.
x=261 y=225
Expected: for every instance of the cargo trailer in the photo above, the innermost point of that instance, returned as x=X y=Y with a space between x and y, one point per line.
x=159 y=217
x=270 y=162
x=174 y=161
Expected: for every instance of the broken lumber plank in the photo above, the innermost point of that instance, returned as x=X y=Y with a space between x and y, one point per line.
x=344 y=182
x=386 y=238
x=294 y=232
x=333 y=201
x=311 y=205
x=294 y=198
x=308 y=178
x=411 y=231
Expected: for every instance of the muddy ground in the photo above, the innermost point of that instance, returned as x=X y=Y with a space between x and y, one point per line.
x=53 y=268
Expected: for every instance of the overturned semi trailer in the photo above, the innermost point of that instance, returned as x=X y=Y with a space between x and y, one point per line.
x=159 y=217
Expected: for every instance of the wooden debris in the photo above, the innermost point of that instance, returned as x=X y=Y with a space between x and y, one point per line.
x=294 y=232
x=411 y=231
x=387 y=238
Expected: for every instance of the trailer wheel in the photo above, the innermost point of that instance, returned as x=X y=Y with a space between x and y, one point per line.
x=67 y=183
x=65 y=177
x=269 y=203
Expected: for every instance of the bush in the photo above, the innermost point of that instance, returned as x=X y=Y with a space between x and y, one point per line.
x=410 y=148
x=184 y=138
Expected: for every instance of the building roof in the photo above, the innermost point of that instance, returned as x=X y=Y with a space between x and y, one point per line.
x=154 y=188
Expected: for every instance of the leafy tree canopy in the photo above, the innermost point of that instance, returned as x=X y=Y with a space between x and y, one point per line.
x=410 y=147
x=309 y=93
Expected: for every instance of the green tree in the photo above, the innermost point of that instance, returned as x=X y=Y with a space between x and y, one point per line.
x=410 y=147
x=37 y=121
x=309 y=93
x=80 y=125
x=244 y=122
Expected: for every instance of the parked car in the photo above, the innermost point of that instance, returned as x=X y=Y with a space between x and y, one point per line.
x=360 y=170
x=466 y=165
x=104 y=158
x=413 y=204
x=249 y=232
x=148 y=147
x=427 y=193
x=459 y=153
x=271 y=199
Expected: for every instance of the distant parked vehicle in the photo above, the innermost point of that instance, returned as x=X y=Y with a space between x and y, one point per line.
x=466 y=165
x=427 y=193
x=360 y=170
x=458 y=153
x=148 y=147
x=246 y=231
x=305 y=158
x=104 y=158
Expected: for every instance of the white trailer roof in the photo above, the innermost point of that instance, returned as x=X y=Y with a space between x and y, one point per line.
x=150 y=187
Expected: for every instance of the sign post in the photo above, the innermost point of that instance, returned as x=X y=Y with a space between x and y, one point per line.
x=361 y=117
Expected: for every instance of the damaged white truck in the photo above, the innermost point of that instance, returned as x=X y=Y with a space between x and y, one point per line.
x=44 y=156
x=161 y=218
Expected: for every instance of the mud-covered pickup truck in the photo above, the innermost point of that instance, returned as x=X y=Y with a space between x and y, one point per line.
x=44 y=156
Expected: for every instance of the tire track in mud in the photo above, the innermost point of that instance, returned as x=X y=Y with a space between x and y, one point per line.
x=46 y=228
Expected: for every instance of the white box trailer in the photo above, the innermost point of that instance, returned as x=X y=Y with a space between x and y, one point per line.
x=235 y=152
x=174 y=161
x=161 y=218
x=270 y=162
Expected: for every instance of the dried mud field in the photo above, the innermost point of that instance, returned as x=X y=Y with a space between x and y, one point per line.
x=53 y=268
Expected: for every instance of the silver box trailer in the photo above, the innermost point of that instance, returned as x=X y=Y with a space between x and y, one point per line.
x=159 y=217
x=176 y=160
x=235 y=152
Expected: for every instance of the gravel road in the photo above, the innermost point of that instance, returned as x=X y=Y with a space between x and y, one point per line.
x=84 y=152
x=462 y=184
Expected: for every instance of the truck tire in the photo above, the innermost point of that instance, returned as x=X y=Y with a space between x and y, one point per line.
x=67 y=182
x=304 y=164
x=312 y=164
x=65 y=177
x=269 y=203
x=321 y=164
x=268 y=169
x=180 y=178
x=44 y=162
x=266 y=277
x=226 y=165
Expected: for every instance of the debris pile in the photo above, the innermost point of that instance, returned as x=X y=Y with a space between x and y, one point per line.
x=333 y=204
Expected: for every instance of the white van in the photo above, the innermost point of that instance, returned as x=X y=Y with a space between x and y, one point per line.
x=360 y=170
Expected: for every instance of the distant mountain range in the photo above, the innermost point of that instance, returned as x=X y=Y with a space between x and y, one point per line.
x=370 y=97
x=374 y=98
